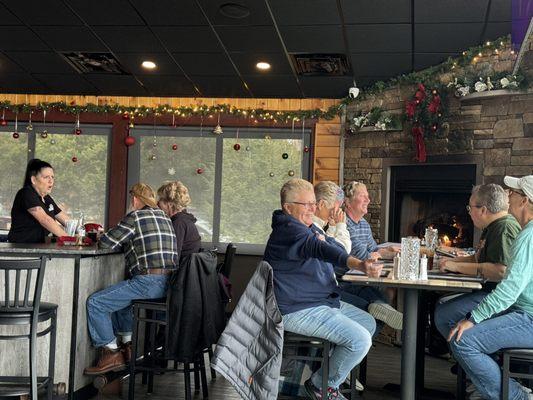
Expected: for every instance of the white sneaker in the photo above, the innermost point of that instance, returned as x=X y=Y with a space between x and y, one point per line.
x=358 y=385
x=386 y=313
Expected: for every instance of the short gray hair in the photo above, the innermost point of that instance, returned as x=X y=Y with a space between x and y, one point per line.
x=328 y=191
x=351 y=189
x=293 y=186
x=491 y=196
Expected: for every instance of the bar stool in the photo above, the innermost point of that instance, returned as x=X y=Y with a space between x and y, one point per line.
x=144 y=312
x=292 y=340
x=21 y=306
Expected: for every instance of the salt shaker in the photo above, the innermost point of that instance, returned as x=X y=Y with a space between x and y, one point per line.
x=396 y=267
x=423 y=274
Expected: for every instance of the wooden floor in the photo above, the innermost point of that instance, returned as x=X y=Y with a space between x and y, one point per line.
x=383 y=368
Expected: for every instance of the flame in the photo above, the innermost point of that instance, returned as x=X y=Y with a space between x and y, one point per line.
x=446 y=240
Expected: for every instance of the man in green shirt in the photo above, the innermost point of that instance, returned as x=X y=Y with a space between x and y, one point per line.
x=487 y=206
x=504 y=318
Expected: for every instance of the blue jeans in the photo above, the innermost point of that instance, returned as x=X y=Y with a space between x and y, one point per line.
x=474 y=350
x=348 y=327
x=447 y=314
x=361 y=297
x=109 y=310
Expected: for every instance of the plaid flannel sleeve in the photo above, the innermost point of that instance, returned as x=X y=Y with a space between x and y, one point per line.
x=116 y=237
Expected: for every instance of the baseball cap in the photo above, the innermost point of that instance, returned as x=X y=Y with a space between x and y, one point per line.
x=525 y=184
x=144 y=193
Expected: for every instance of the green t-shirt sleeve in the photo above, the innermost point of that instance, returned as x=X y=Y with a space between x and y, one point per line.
x=499 y=242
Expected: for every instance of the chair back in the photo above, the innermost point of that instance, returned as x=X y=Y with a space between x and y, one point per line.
x=225 y=269
x=22 y=283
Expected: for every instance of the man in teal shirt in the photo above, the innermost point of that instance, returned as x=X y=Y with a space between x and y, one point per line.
x=504 y=318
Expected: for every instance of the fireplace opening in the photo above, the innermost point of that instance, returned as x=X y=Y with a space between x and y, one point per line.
x=432 y=196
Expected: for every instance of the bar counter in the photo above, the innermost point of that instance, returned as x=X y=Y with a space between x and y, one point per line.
x=72 y=274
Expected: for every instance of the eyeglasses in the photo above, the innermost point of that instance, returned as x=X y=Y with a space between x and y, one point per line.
x=306 y=205
x=519 y=192
x=469 y=207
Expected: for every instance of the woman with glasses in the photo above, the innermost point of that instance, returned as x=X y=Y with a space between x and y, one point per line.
x=487 y=206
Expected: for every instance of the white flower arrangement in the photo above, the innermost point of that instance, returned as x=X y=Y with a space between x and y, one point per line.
x=463 y=88
x=376 y=118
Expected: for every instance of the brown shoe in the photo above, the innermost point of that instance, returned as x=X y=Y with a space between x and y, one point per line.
x=125 y=348
x=110 y=360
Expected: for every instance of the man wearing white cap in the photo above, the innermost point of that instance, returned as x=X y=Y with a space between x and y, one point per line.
x=504 y=318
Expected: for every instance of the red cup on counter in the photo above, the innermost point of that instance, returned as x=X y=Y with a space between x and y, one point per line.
x=91 y=230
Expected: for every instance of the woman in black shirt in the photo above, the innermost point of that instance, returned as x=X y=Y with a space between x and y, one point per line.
x=34 y=213
x=173 y=198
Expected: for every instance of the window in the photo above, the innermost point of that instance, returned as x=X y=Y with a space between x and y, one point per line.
x=80 y=187
x=234 y=179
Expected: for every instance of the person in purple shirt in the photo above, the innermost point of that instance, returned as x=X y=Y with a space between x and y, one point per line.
x=307 y=291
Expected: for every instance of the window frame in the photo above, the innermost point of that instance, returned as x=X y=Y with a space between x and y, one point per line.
x=65 y=129
x=150 y=131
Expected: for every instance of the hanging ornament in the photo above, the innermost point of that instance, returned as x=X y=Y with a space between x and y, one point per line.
x=218 y=129
x=129 y=141
x=171 y=171
x=153 y=157
x=268 y=137
x=248 y=148
x=44 y=134
x=77 y=129
x=284 y=156
x=154 y=144
x=125 y=116
x=3 y=121
x=306 y=149
x=173 y=120
x=74 y=159
x=271 y=174
x=199 y=171
x=16 y=135
x=291 y=172
x=174 y=147
x=236 y=147
x=29 y=127
x=52 y=141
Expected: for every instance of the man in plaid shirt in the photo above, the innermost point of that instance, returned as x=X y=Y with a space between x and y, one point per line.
x=148 y=239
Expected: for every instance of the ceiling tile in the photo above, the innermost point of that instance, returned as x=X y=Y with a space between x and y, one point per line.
x=70 y=38
x=258 y=12
x=326 y=87
x=17 y=83
x=168 y=85
x=276 y=86
x=43 y=12
x=305 y=12
x=220 y=86
x=312 y=39
x=20 y=38
x=67 y=84
x=190 y=39
x=381 y=64
x=446 y=38
x=42 y=62
x=376 y=11
x=124 y=85
x=432 y=12
x=209 y=64
x=129 y=39
x=377 y=38
x=425 y=60
x=105 y=12
x=165 y=65
x=500 y=10
x=7 y=17
x=246 y=61
x=251 y=38
x=8 y=66
x=170 y=12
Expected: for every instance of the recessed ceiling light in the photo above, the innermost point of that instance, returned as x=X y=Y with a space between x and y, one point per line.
x=148 y=64
x=263 y=65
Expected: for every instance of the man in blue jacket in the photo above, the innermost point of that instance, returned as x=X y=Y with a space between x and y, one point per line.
x=307 y=291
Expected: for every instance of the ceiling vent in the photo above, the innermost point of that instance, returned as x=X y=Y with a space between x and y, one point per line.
x=94 y=63
x=321 y=64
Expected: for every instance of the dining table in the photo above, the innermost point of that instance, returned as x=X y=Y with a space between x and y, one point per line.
x=410 y=357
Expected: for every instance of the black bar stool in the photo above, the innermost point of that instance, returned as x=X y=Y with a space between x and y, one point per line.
x=21 y=305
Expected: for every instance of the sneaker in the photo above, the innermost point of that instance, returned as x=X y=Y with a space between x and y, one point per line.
x=387 y=314
x=358 y=385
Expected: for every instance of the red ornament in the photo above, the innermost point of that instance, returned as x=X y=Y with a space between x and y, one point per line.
x=236 y=147
x=129 y=141
x=174 y=147
x=16 y=135
x=77 y=131
x=74 y=159
x=125 y=116
x=199 y=171
x=3 y=122
x=306 y=149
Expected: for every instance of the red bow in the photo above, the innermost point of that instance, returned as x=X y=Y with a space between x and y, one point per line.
x=418 y=133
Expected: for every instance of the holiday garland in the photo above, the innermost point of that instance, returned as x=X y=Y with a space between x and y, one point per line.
x=376 y=118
